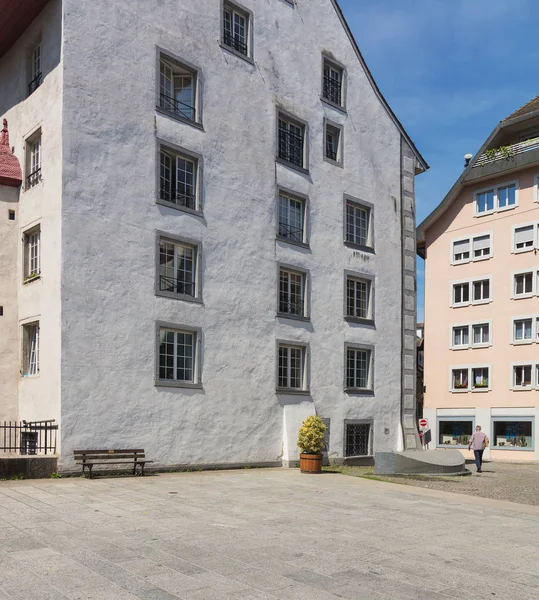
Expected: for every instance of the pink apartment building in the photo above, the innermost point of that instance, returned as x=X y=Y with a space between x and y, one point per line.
x=480 y=247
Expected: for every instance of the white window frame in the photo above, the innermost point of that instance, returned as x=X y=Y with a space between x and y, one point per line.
x=30 y=355
x=452 y=344
x=470 y=239
x=33 y=160
x=453 y=284
x=470 y=282
x=472 y=290
x=536 y=189
x=495 y=189
x=238 y=10
x=524 y=342
x=533 y=378
x=291 y=120
x=304 y=380
x=535 y=275
x=338 y=160
x=471 y=380
x=294 y=197
x=535 y=242
x=303 y=275
x=479 y=324
x=369 y=389
x=32 y=254
x=178 y=68
x=196 y=381
x=461 y=261
x=459 y=368
x=196 y=247
x=357 y=204
x=369 y=281
x=175 y=153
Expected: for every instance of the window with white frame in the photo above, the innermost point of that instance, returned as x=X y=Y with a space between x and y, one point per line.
x=291 y=293
x=358 y=368
x=358 y=298
x=459 y=379
x=358 y=224
x=35 y=78
x=481 y=290
x=460 y=336
x=291 y=146
x=178 y=179
x=358 y=440
x=522 y=376
x=481 y=334
x=523 y=330
x=32 y=254
x=33 y=160
x=236 y=28
x=333 y=143
x=30 y=349
x=523 y=284
x=524 y=238
x=333 y=83
x=461 y=250
x=496 y=198
x=512 y=433
x=291 y=367
x=291 y=218
x=455 y=432
x=178 y=89
x=481 y=247
x=480 y=378
x=178 y=264
x=461 y=293
x=177 y=356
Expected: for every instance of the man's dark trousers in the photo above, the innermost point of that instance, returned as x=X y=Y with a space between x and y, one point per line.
x=478 y=458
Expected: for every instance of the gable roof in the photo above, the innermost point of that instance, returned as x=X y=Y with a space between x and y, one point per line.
x=529 y=107
x=422 y=162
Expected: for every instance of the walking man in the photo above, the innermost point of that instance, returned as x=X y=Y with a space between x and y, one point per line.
x=478 y=441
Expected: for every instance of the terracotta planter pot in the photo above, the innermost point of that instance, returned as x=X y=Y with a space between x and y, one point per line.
x=310 y=463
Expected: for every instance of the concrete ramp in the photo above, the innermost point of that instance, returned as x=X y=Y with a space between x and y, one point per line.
x=420 y=462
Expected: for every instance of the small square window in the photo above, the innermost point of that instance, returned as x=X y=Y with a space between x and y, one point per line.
x=178 y=269
x=292 y=218
x=178 y=179
x=481 y=247
x=481 y=290
x=30 y=349
x=522 y=330
x=291 y=367
x=481 y=334
x=461 y=336
x=236 y=29
x=358 y=439
x=461 y=293
x=459 y=379
x=359 y=298
x=292 y=286
x=291 y=141
x=461 y=250
x=333 y=83
x=178 y=89
x=11 y=215
x=480 y=378
x=33 y=160
x=523 y=284
x=358 y=224
x=32 y=254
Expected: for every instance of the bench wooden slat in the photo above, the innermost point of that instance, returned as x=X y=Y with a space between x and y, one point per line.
x=111 y=451
x=118 y=462
x=114 y=456
x=109 y=457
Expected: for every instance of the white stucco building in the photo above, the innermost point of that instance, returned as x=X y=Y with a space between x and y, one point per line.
x=214 y=236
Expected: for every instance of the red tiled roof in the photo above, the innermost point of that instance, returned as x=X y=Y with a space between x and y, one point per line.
x=529 y=107
x=10 y=169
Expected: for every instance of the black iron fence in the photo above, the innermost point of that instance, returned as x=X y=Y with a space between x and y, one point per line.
x=28 y=437
x=332 y=89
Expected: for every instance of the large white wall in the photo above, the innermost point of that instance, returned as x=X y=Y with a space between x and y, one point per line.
x=110 y=217
x=37 y=397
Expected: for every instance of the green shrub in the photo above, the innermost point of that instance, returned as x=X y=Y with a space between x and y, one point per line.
x=311 y=435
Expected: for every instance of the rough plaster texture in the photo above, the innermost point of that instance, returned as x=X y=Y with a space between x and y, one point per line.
x=501 y=400
x=109 y=217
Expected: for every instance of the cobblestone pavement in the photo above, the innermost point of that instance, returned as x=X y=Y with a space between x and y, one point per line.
x=260 y=535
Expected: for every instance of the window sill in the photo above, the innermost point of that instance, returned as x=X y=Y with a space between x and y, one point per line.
x=521 y=342
x=463 y=391
x=523 y=389
x=183 y=297
x=506 y=208
x=177 y=384
x=286 y=240
x=461 y=305
x=291 y=165
x=523 y=250
x=180 y=119
x=36 y=376
x=290 y=392
x=485 y=213
x=474 y=346
x=354 y=246
x=30 y=279
x=335 y=163
x=359 y=321
x=480 y=390
x=245 y=57
x=358 y=391
x=457 y=348
x=36 y=185
x=477 y=302
x=338 y=107
x=293 y=317
x=184 y=209
x=523 y=296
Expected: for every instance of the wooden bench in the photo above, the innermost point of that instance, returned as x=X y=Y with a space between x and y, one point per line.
x=89 y=458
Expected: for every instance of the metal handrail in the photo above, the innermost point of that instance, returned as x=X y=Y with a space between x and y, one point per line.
x=291 y=147
x=175 y=285
x=289 y=232
x=508 y=152
x=34 y=178
x=332 y=89
x=175 y=197
x=176 y=106
x=235 y=42
x=291 y=307
x=35 y=83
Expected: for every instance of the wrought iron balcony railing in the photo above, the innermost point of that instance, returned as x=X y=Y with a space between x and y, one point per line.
x=178 y=108
x=288 y=306
x=33 y=179
x=234 y=41
x=291 y=147
x=291 y=233
x=179 y=198
x=175 y=285
x=332 y=90
x=35 y=83
x=506 y=152
x=28 y=437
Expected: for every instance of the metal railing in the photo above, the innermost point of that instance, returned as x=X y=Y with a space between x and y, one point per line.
x=177 y=107
x=291 y=307
x=291 y=233
x=35 y=83
x=33 y=179
x=235 y=42
x=291 y=147
x=507 y=152
x=330 y=153
x=28 y=437
x=177 y=286
x=332 y=89
x=175 y=197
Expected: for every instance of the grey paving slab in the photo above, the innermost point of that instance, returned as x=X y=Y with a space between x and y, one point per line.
x=259 y=535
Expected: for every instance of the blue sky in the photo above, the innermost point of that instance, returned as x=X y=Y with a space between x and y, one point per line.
x=450 y=70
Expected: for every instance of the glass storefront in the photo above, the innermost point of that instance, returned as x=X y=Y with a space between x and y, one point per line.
x=508 y=434
x=455 y=432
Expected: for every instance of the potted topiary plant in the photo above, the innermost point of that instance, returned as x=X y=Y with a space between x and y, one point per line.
x=311 y=442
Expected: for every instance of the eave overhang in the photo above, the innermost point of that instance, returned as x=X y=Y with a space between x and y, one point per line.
x=15 y=18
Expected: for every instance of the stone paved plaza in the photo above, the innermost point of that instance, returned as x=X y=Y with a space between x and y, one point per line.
x=260 y=535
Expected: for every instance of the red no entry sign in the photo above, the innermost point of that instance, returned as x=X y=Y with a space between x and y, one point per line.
x=423 y=422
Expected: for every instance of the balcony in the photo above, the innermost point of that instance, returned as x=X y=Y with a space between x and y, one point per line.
x=505 y=158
